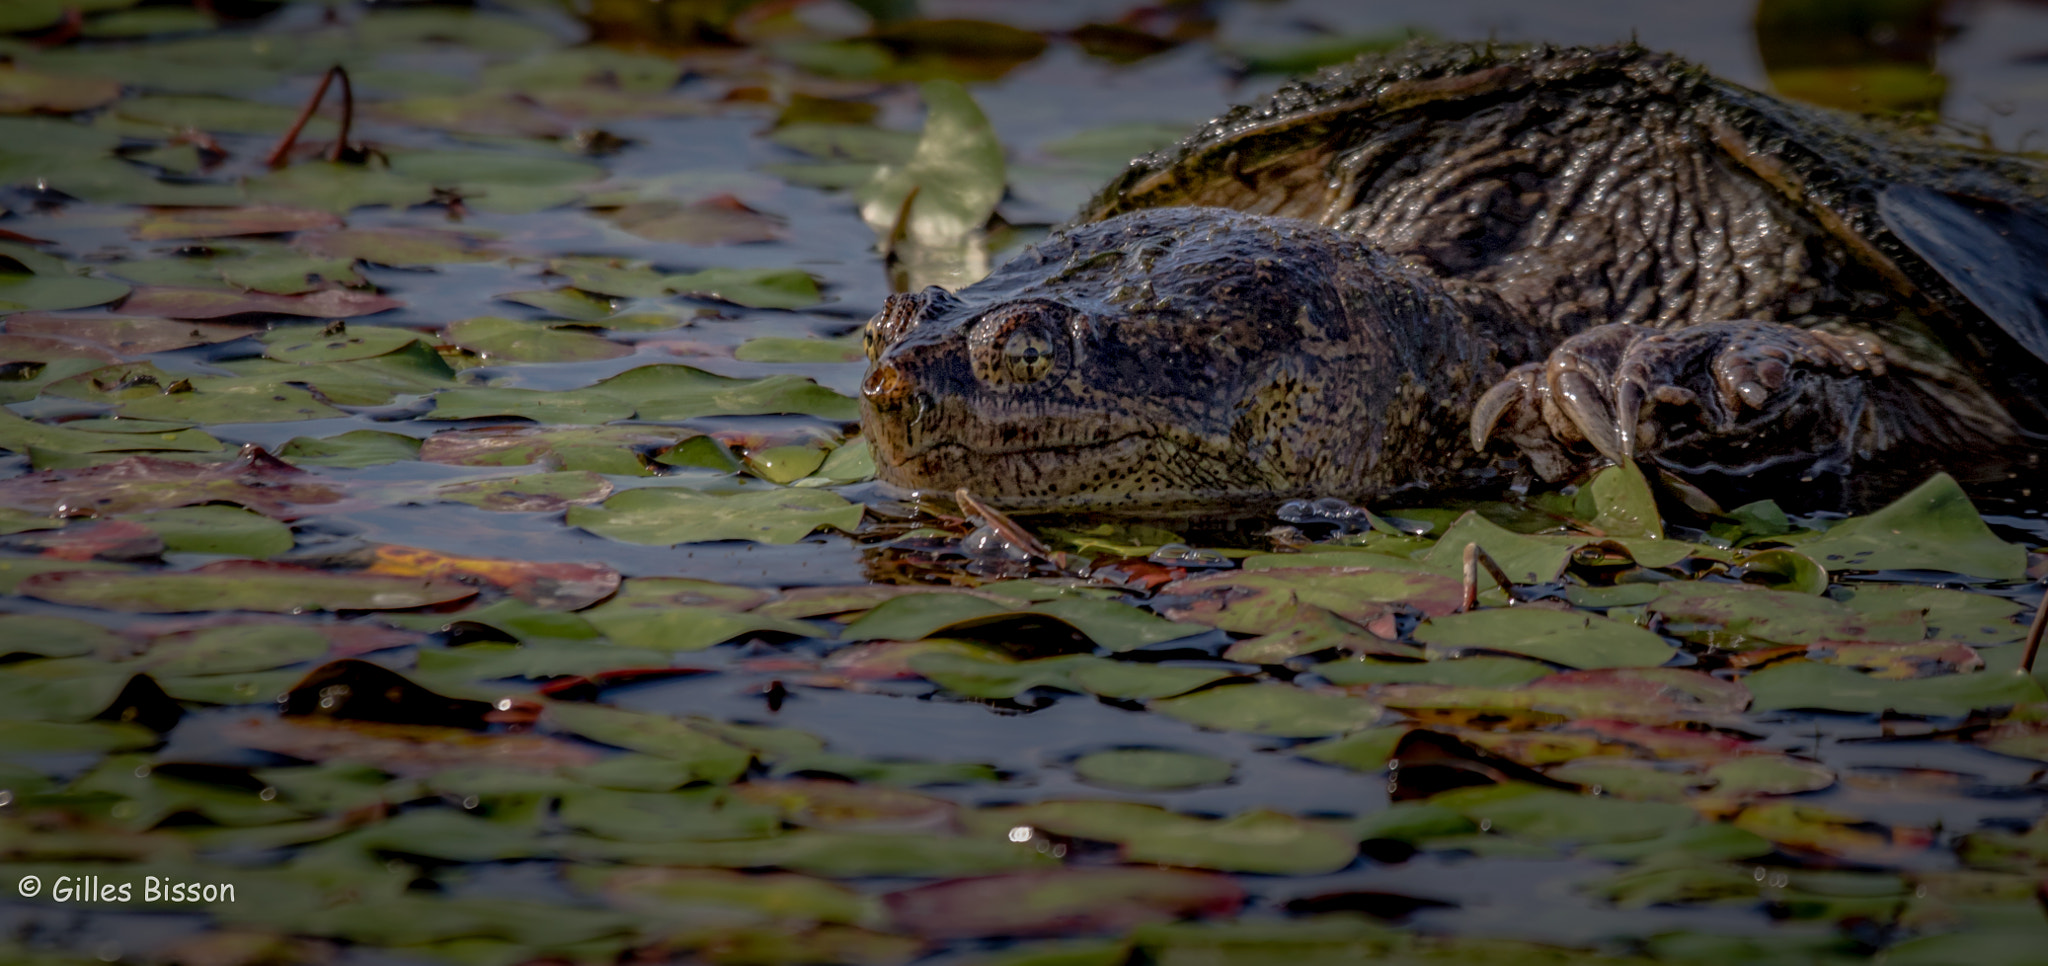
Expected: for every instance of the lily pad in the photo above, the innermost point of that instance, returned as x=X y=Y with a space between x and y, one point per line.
x=240 y=585
x=671 y=516
x=1934 y=527
x=780 y=349
x=225 y=222
x=195 y=303
x=397 y=247
x=952 y=180
x=220 y=530
x=23 y=90
x=762 y=288
x=1272 y=709
x=354 y=449
x=662 y=392
x=1061 y=902
x=537 y=493
x=1802 y=684
x=509 y=340
x=1570 y=638
x=1152 y=768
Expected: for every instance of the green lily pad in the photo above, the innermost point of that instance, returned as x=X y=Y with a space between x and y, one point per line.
x=1731 y=615
x=337 y=187
x=1952 y=615
x=671 y=516
x=956 y=173
x=1280 y=710
x=761 y=288
x=1935 y=527
x=1478 y=672
x=1569 y=638
x=661 y=393
x=1115 y=626
x=218 y=529
x=336 y=343
x=233 y=649
x=710 y=757
x=708 y=814
x=780 y=349
x=20 y=293
x=535 y=493
x=1546 y=815
x=1260 y=842
x=20 y=435
x=397 y=247
x=23 y=90
x=1803 y=684
x=1623 y=504
x=1152 y=768
x=354 y=449
x=240 y=585
x=84 y=737
x=54 y=636
x=568 y=303
x=508 y=340
x=684 y=628
x=784 y=464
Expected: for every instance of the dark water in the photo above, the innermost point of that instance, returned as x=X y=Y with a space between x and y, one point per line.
x=1986 y=62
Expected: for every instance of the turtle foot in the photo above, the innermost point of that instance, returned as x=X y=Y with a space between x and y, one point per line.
x=1729 y=396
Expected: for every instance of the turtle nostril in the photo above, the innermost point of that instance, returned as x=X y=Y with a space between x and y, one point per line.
x=886 y=387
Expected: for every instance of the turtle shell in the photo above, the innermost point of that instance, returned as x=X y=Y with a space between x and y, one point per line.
x=1595 y=185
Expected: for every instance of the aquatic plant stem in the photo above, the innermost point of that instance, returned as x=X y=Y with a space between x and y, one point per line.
x=2034 y=635
x=348 y=107
x=1476 y=558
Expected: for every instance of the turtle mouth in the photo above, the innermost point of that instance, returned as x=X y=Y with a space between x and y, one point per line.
x=1038 y=475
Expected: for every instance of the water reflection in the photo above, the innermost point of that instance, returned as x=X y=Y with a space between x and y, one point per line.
x=1874 y=56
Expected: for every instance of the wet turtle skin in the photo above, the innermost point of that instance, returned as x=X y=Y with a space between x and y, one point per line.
x=1435 y=267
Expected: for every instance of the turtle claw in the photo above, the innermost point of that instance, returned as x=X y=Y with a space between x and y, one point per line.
x=1623 y=392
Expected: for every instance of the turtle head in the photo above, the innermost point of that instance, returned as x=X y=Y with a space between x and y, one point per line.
x=1160 y=360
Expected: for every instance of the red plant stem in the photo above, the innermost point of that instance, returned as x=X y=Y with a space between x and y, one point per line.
x=291 y=137
x=2034 y=635
x=348 y=113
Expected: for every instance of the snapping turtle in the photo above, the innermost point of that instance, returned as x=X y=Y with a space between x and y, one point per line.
x=1430 y=268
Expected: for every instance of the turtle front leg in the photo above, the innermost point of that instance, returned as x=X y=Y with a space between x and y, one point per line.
x=1733 y=397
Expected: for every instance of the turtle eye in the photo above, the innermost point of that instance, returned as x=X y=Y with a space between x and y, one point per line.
x=1027 y=356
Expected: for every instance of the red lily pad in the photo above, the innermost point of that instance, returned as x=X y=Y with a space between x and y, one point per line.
x=165 y=223
x=241 y=585
x=124 y=335
x=28 y=348
x=1062 y=902
x=255 y=480
x=556 y=586
x=405 y=750
x=199 y=303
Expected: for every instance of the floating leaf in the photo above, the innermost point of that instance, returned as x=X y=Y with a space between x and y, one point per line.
x=1802 y=684
x=671 y=516
x=193 y=303
x=165 y=223
x=721 y=220
x=1061 y=902
x=51 y=292
x=1624 y=506
x=397 y=247
x=1255 y=602
x=663 y=392
x=23 y=90
x=1152 y=768
x=508 y=340
x=1552 y=816
x=710 y=757
x=1730 y=615
x=1477 y=672
x=956 y=173
x=779 y=349
x=538 y=493
x=567 y=586
x=1932 y=528
x=695 y=815
x=404 y=750
x=256 y=480
x=1272 y=709
x=240 y=585
x=684 y=628
x=354 y=449
x=220 y=530
x=337 y=187
x=763 y=288
x=128 y=336
x=1561 y=637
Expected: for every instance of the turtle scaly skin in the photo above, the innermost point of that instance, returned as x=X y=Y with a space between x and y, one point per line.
x=1563 y=256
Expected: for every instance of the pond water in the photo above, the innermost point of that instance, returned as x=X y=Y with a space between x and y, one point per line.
x=351 y=555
